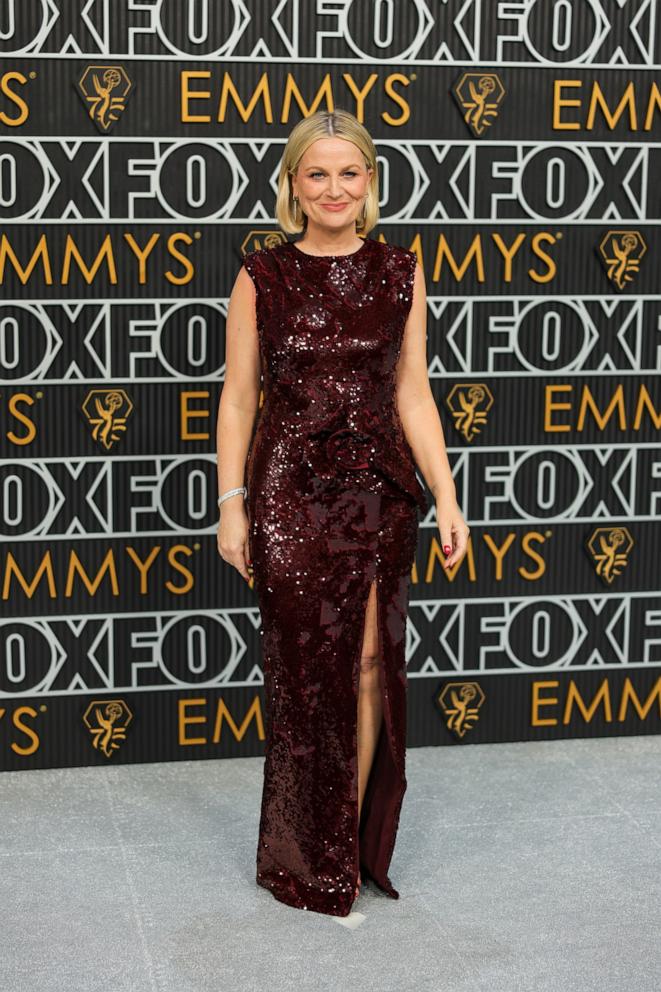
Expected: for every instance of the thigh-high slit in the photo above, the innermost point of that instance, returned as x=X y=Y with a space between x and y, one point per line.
x=312 y=842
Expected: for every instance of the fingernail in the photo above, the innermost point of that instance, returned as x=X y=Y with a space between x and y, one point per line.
x=447 y=549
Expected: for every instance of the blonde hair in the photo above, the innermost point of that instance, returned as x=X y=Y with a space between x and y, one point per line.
x=324 y=124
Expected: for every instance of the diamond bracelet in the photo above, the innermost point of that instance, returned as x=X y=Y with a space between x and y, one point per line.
x=232 y=492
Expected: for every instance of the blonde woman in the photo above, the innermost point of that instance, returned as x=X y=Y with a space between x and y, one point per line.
x=319 y=500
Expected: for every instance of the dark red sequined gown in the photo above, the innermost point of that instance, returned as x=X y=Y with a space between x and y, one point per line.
x=332 y=504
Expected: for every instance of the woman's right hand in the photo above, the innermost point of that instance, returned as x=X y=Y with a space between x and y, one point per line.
x=233 y=537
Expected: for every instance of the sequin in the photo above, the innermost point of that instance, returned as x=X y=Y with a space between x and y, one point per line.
x=332 y=504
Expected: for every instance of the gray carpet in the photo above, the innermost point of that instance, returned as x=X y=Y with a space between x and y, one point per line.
x=521 y=868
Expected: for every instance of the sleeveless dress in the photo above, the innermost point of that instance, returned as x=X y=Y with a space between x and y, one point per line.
x=332 y=501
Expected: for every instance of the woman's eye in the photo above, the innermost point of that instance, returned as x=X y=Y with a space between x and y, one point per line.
x=313 y=174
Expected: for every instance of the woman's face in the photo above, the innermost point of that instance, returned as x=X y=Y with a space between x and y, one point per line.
x=332 y=173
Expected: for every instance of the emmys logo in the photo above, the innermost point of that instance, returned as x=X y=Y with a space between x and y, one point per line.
x=262 y=239
x=460 y=701
x=104 y=88
x=469 y=403
x=621 y=252
x=609 y=548
x=479 y=95
x=107 y=721
x=112 y=408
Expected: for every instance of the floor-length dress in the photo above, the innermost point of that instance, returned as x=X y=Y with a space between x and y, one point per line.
x=332 y=505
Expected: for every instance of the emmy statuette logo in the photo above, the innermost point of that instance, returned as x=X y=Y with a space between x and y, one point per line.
x=104 y=89
x=460 y=702
x=107 y=720
x=261 y=239
x=479 y=95
x=107 y=410
x=609 y=548
x=469 y=403
x=621 y=252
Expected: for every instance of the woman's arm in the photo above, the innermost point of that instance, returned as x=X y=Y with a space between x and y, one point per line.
x=239 y=401
x=422 y=425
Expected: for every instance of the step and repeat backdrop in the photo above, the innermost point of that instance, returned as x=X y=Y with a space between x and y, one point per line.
x=519 y=154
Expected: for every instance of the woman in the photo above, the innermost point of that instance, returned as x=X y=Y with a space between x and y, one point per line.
x=337 y=325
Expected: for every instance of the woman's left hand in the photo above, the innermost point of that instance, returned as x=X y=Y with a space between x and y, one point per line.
x=453 y=529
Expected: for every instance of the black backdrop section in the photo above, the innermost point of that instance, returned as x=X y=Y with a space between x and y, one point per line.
x=139 y=149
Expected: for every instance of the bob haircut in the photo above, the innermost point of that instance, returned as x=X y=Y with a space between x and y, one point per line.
x=324 y=124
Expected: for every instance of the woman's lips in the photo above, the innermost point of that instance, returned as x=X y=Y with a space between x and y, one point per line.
x=334 y=207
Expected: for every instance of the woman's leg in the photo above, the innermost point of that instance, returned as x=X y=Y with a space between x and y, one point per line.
x=370 y=710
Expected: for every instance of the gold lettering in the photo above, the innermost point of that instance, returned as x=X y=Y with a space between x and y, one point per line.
x=6 y=90
x=189 y=268
x=29 y=732
x=436 y=555
x=397 y=98
x=361 y=92
x=76 y=566
x=574 y=696
x=22 y=419
x=559 y=101
x=550 y=405
x=508 y=253
x=628 y=692
x=11 y=568
x=187 y=414
x=538 y=701
x=261 y=92
x=105 y=251
x=653 y=104
x=41 y=251
x=598 y=99
x=223 y=714
x=187 y=95
x=143 y=566
x=645 y=401
x=142 y=254
x=183 y=705
x=172 y=553
x=526 y=543
x=537 y=240
x=475 y=249
x=499 y=552
x=588 y=401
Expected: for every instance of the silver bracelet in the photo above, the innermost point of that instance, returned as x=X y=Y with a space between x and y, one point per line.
x=232 y=492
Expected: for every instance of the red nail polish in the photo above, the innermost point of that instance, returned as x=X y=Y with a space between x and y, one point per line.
x=447 y=549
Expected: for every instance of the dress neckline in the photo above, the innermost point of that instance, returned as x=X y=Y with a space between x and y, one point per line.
x=351 y=254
